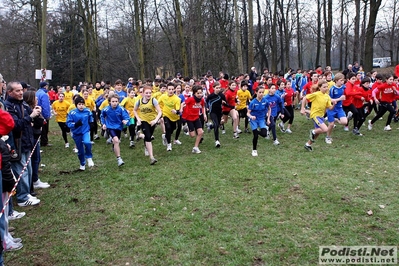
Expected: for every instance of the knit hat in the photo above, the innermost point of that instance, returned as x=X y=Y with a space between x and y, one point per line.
x=43 y=84
x=79 y=100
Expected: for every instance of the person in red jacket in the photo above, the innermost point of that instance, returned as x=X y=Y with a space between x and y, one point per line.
x=229 y=108
x=307 y=89
x=388 y=94
x=288 y=106
x=52 y=94
x=378 y=81
x=191 y=115
x=360 y=99
x=347 y=104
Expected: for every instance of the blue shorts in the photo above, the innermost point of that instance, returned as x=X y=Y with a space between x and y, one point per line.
x=335 y=113
x=257 y=123
x=115 y=133
x=318 y=121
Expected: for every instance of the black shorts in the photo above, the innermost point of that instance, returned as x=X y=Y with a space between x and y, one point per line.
x=226 y=112
x=243 y=112
x=194 y=125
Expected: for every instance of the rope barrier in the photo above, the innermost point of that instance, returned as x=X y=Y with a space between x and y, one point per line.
x=19 y=178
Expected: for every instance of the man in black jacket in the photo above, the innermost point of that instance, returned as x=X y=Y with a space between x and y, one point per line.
x=23 y=117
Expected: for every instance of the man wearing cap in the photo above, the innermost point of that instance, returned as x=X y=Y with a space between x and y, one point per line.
x=43 y=100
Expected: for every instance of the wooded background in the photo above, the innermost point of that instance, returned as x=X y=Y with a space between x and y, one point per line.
x=109 y=39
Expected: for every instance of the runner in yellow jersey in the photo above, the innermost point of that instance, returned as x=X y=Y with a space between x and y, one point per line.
x=68 y=95
x=60 y=109
x=170 y=106
x=128 y=103
x=148 y=117
x=243 y=99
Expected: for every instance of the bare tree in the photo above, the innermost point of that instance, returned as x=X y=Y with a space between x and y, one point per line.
x=363 y=31
x=238 y=36
x=250 y=34
x=318 y=33
x=356 y=39
x=328 y=22
x=298 y=34
x=88 y=15
x=368 y=53
x=181 y=37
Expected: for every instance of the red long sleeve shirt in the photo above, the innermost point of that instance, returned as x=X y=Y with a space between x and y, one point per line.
x=230 y=99
x=386 y=91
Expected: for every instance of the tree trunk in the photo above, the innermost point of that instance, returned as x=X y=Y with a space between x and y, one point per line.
x=181 y=38
x=43 y=51
x=273 y=43
x=328 y=30
x=139 y=39
x=238 y=36
x=356 y=40
x=283 y=32
x=318 y=34
x=392 y=33
x=341 y=30
x=251 y=34
x=298 y=35
x=363 y=32
x=287 y=34
x=245 y=35
x=260 y=36
x=368 y=53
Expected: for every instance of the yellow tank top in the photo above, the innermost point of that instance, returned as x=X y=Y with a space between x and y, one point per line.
x=147 y=110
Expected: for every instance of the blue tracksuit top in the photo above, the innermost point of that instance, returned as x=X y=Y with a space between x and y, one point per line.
x=75 y=115
x=335 y=93
x=112 y=117
x=43 y=100
x=259 y=108
x=276 y=104
x=122 y=95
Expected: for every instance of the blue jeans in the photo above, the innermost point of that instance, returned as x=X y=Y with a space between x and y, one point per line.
x=83 y=145
x=23 y=188
x=36 y=158
x=2 y=224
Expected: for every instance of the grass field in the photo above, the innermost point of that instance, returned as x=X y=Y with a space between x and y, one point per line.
x=221 y=207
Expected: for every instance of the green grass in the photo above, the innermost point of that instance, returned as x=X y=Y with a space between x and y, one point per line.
x=221 y=207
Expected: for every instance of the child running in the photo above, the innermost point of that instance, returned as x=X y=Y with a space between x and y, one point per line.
x=78 y=121
x=113 y=118
x=170 y=106
x=243 y=98
x=191 y=115
x=288 y=108
x=147 y=118
x=276 y=104
x=229 y=108
x=128 y=103
x=320 y=102
x=214 y=102
x=384 y=95
x=337 y=96
x=60 y=110
x=257 y=110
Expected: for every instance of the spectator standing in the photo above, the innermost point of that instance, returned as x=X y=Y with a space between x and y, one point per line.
x=23 y=117
x=43 y=101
